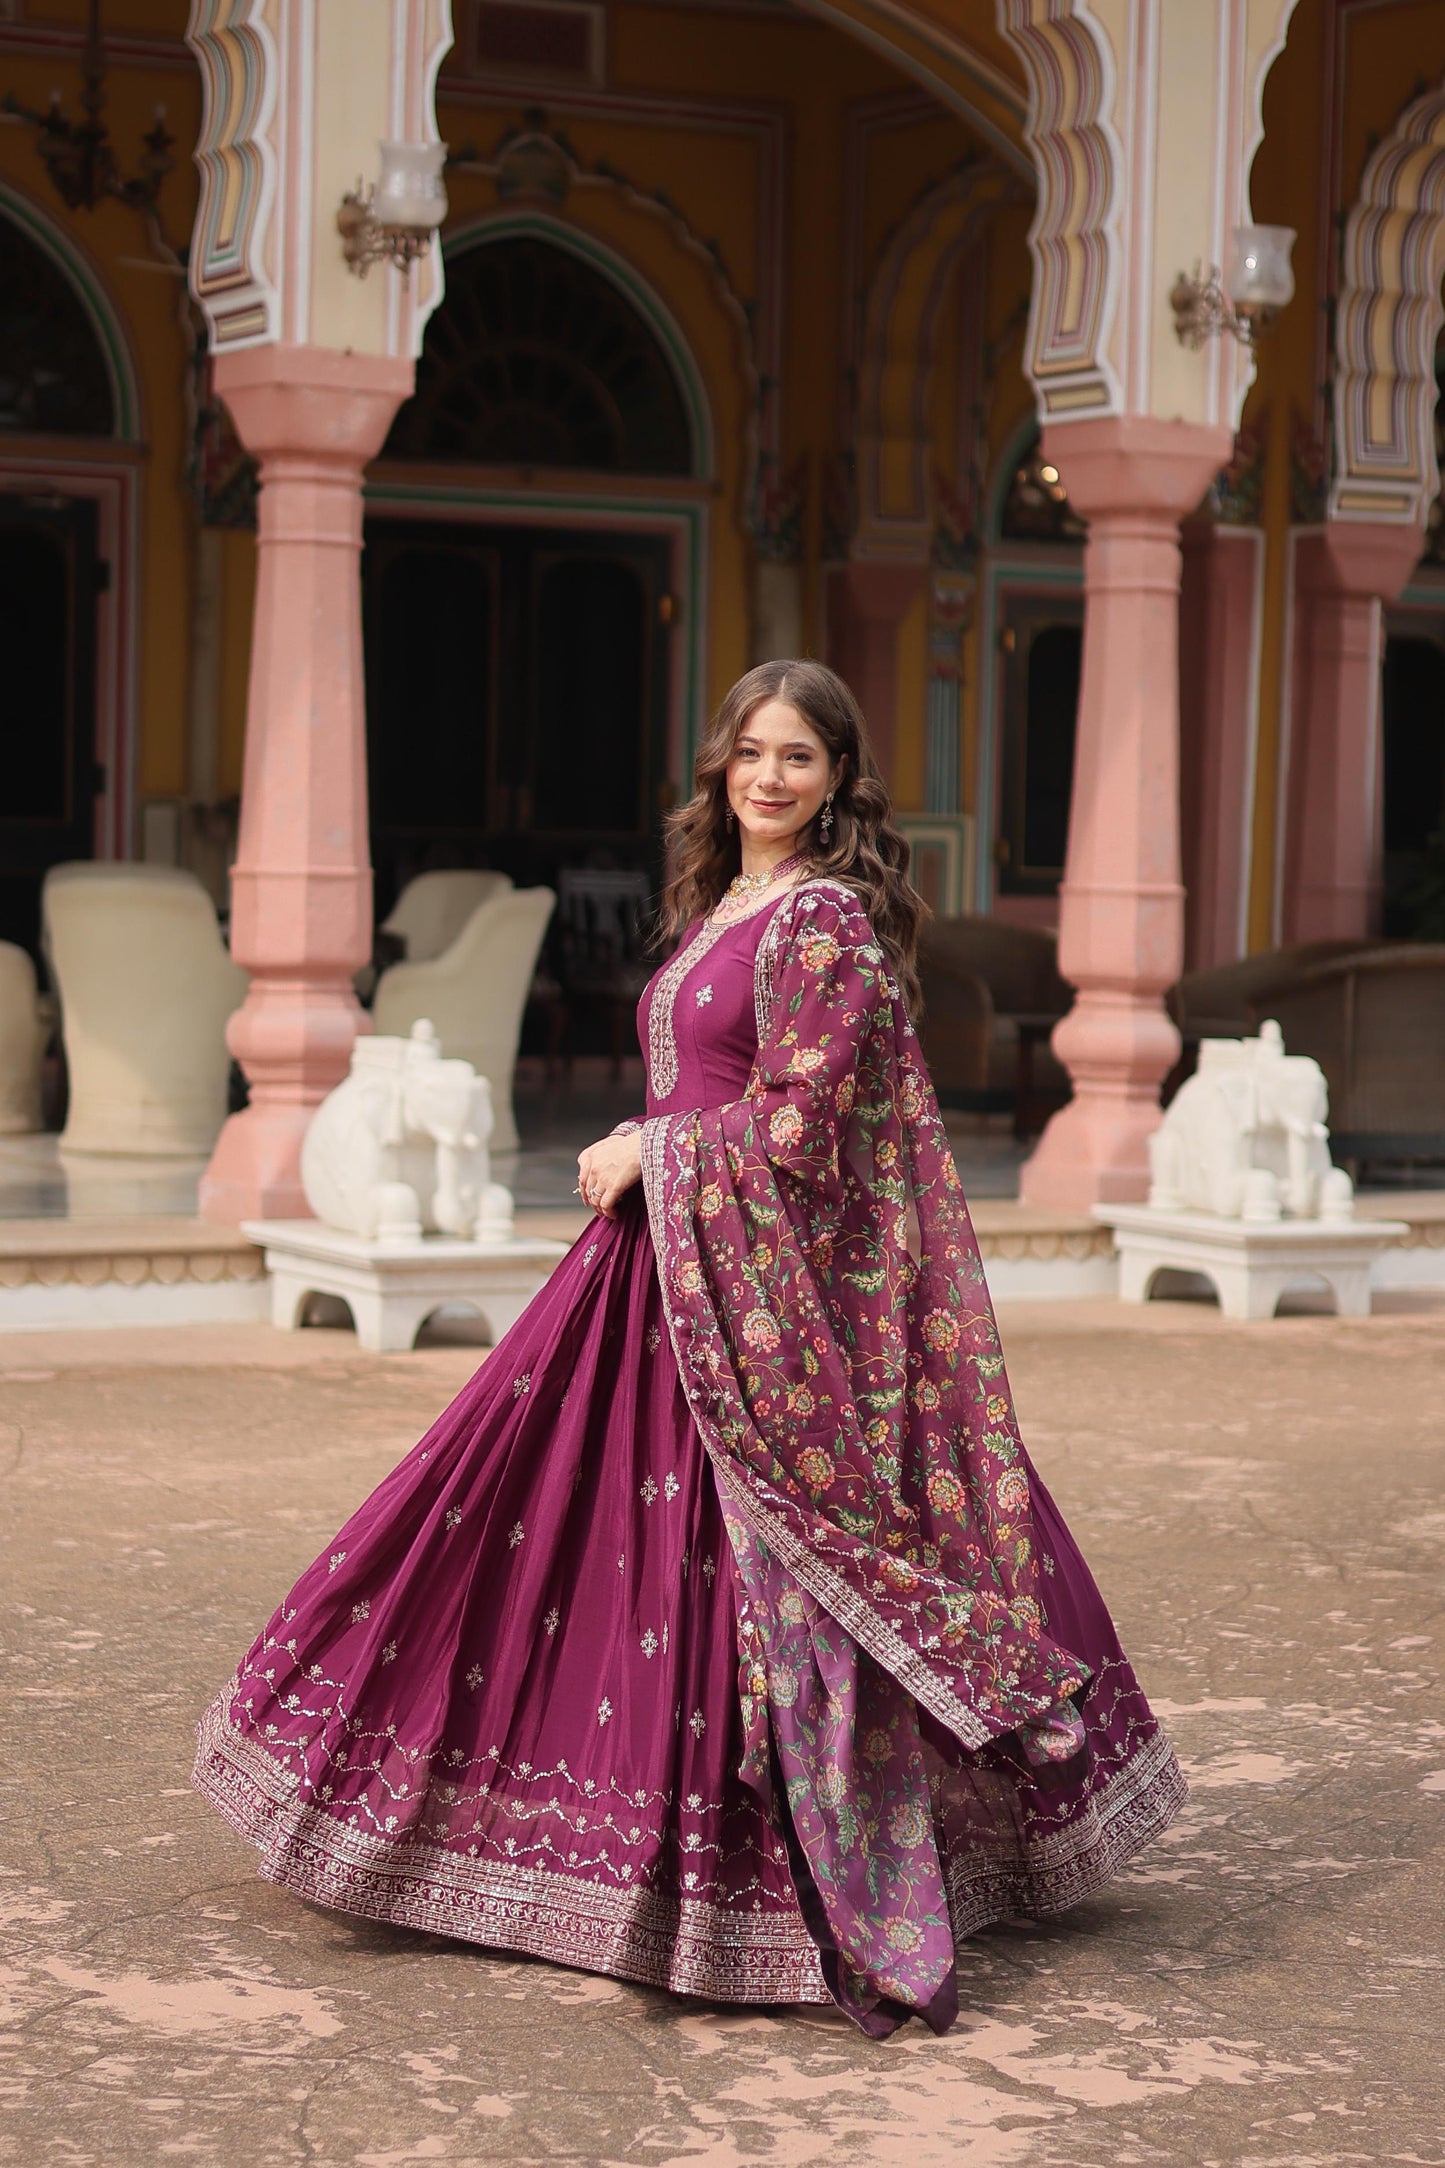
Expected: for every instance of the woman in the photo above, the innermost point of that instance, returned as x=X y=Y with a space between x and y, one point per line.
x=719 y=1634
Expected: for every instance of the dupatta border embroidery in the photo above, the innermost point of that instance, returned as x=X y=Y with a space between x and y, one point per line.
x=869 y=1630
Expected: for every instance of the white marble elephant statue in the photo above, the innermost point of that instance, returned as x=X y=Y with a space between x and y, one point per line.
x=400 y=1148
x=1245 y=1137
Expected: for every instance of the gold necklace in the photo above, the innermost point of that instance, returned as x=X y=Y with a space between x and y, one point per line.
x=744 y=886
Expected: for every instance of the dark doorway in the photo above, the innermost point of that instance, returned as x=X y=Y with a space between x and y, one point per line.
x=1413 y=714
x=1042 y=638
x=49 y=578
x=516 y=698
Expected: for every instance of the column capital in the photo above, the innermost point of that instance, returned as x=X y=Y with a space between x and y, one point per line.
x=312 y=399
x=1133 y=463
x=1370 y=559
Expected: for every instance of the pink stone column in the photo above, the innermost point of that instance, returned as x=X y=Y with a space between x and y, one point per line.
x=1121 y=905
x=301 y=887
x=867 y=603
x=1345 y=573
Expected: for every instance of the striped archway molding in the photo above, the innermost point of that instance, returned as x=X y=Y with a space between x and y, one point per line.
x=1118 y=116
x=234 y=253
x=1074 y=238
x=288 y=94
x=1387 y=324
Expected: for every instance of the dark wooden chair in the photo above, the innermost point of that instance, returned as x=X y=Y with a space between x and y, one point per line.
x=1374 y=1020
x=994 y=1054
x=601 y=959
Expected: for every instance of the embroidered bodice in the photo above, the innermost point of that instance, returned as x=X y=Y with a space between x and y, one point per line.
x=697 y=1020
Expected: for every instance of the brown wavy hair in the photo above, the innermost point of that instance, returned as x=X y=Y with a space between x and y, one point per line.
x=865 y=849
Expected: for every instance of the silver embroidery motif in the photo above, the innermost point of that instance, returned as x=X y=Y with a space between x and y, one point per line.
x=661 y=1039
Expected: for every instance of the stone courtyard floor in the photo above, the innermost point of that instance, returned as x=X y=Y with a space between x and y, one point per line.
x=1265 y=1508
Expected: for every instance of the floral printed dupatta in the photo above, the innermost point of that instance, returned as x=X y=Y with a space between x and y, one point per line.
x=851 y=1394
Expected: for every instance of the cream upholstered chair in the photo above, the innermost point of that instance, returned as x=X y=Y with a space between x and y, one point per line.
x=432 y=909
x=475 y=993
x=24 y=1029
x=145 y=988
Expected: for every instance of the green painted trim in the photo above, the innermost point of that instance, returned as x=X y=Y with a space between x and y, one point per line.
x=104 y=320
x=997 y=571
x=435 y=499
x=1427 y=593
x=540 y=226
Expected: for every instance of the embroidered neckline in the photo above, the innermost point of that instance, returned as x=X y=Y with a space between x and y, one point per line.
x=662 y=1062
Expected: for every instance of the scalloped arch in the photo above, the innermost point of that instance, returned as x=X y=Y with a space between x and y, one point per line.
x=1387 y=324
x=1074 y=239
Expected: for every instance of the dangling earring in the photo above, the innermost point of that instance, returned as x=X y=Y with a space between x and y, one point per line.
x=825 y=819
x=728 y=820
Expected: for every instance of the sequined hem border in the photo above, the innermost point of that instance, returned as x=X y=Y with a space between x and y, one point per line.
x=687 y=1946
x=680 y=1943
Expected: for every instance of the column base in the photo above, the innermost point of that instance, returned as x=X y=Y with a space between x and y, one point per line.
x=1118 y=1047
x=255 y=1170
x=1094 y=1151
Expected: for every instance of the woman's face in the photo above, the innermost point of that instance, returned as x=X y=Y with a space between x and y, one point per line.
x=778 y=775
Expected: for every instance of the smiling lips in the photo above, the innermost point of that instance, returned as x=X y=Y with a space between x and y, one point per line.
x=771 y=805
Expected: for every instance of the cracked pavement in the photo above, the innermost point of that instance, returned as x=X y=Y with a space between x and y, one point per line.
x=1264 y=1507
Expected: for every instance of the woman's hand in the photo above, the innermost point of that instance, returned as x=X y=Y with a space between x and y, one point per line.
x=607 y=1170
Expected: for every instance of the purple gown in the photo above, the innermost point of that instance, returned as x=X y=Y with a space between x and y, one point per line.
x=504 y=1705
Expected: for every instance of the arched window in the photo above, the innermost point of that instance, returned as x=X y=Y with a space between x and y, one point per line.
x=53 y=376
x=536 y=359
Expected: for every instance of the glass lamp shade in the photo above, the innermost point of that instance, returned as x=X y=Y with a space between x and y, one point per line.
x=1259 y=280
x=411 y=191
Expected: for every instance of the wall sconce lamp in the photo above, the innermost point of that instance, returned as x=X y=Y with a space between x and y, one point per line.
x=394 y=222
x=1258 y=285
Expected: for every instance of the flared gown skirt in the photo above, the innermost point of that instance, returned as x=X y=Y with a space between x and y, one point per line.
x=504 y=1705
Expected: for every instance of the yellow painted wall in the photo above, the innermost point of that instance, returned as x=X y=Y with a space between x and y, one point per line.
x=810 y=72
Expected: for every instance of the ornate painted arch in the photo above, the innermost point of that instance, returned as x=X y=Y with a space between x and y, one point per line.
x=1387 y=324
x=900 y=338
x=1074 y=239
x=104 y=318
x=561 y=233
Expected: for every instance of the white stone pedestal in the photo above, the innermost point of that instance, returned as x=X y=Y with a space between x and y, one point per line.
x=392 y=1288
x=1250 y=1262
